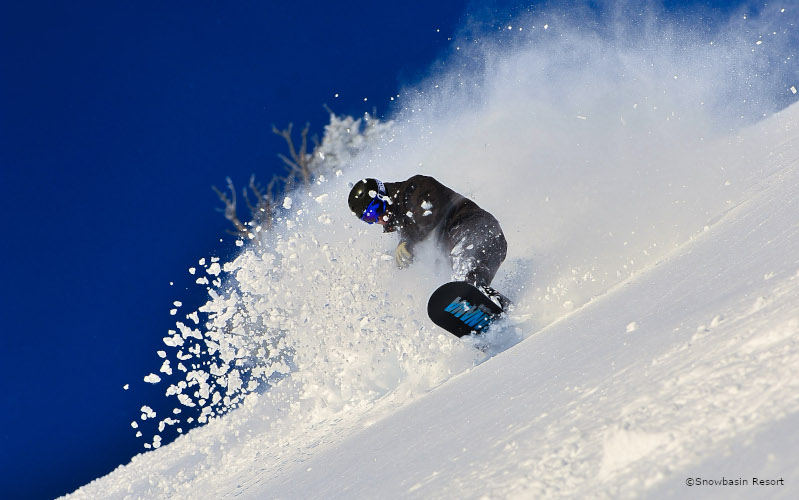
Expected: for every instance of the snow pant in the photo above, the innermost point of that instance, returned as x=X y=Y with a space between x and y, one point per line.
x=477 y=248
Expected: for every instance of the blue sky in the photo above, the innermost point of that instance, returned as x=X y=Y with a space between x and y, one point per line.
x=115 y=120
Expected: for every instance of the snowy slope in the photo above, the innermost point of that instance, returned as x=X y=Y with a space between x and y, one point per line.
x=652 y=383
x=686 y=370
x=653 y=257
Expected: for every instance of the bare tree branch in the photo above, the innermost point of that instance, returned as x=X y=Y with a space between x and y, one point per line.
x=262 y=209
x=237 y=234
x=299 y=164
x=290 y=165
x=230 y=208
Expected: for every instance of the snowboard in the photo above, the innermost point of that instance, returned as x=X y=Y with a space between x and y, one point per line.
x=462 y=309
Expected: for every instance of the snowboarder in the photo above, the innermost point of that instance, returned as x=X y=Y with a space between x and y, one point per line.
x=421 y=207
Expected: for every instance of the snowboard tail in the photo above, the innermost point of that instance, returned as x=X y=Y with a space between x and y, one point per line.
x=462 y=309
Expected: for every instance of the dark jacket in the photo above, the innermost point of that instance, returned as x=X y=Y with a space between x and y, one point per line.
x=421 y=207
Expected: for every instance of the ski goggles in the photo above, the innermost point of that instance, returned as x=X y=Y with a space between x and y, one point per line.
x=376 y=208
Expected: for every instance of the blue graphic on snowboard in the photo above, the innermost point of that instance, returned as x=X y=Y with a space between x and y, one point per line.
x=462 y=309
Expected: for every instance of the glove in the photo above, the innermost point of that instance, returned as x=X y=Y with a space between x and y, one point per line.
x=402 y=256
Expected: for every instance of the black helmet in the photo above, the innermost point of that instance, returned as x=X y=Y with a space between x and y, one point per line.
x=363 y=193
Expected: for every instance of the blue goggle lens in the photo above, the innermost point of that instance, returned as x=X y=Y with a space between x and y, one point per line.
x=372 y=214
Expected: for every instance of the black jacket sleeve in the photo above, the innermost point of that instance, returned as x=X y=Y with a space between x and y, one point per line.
x=419 y=207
